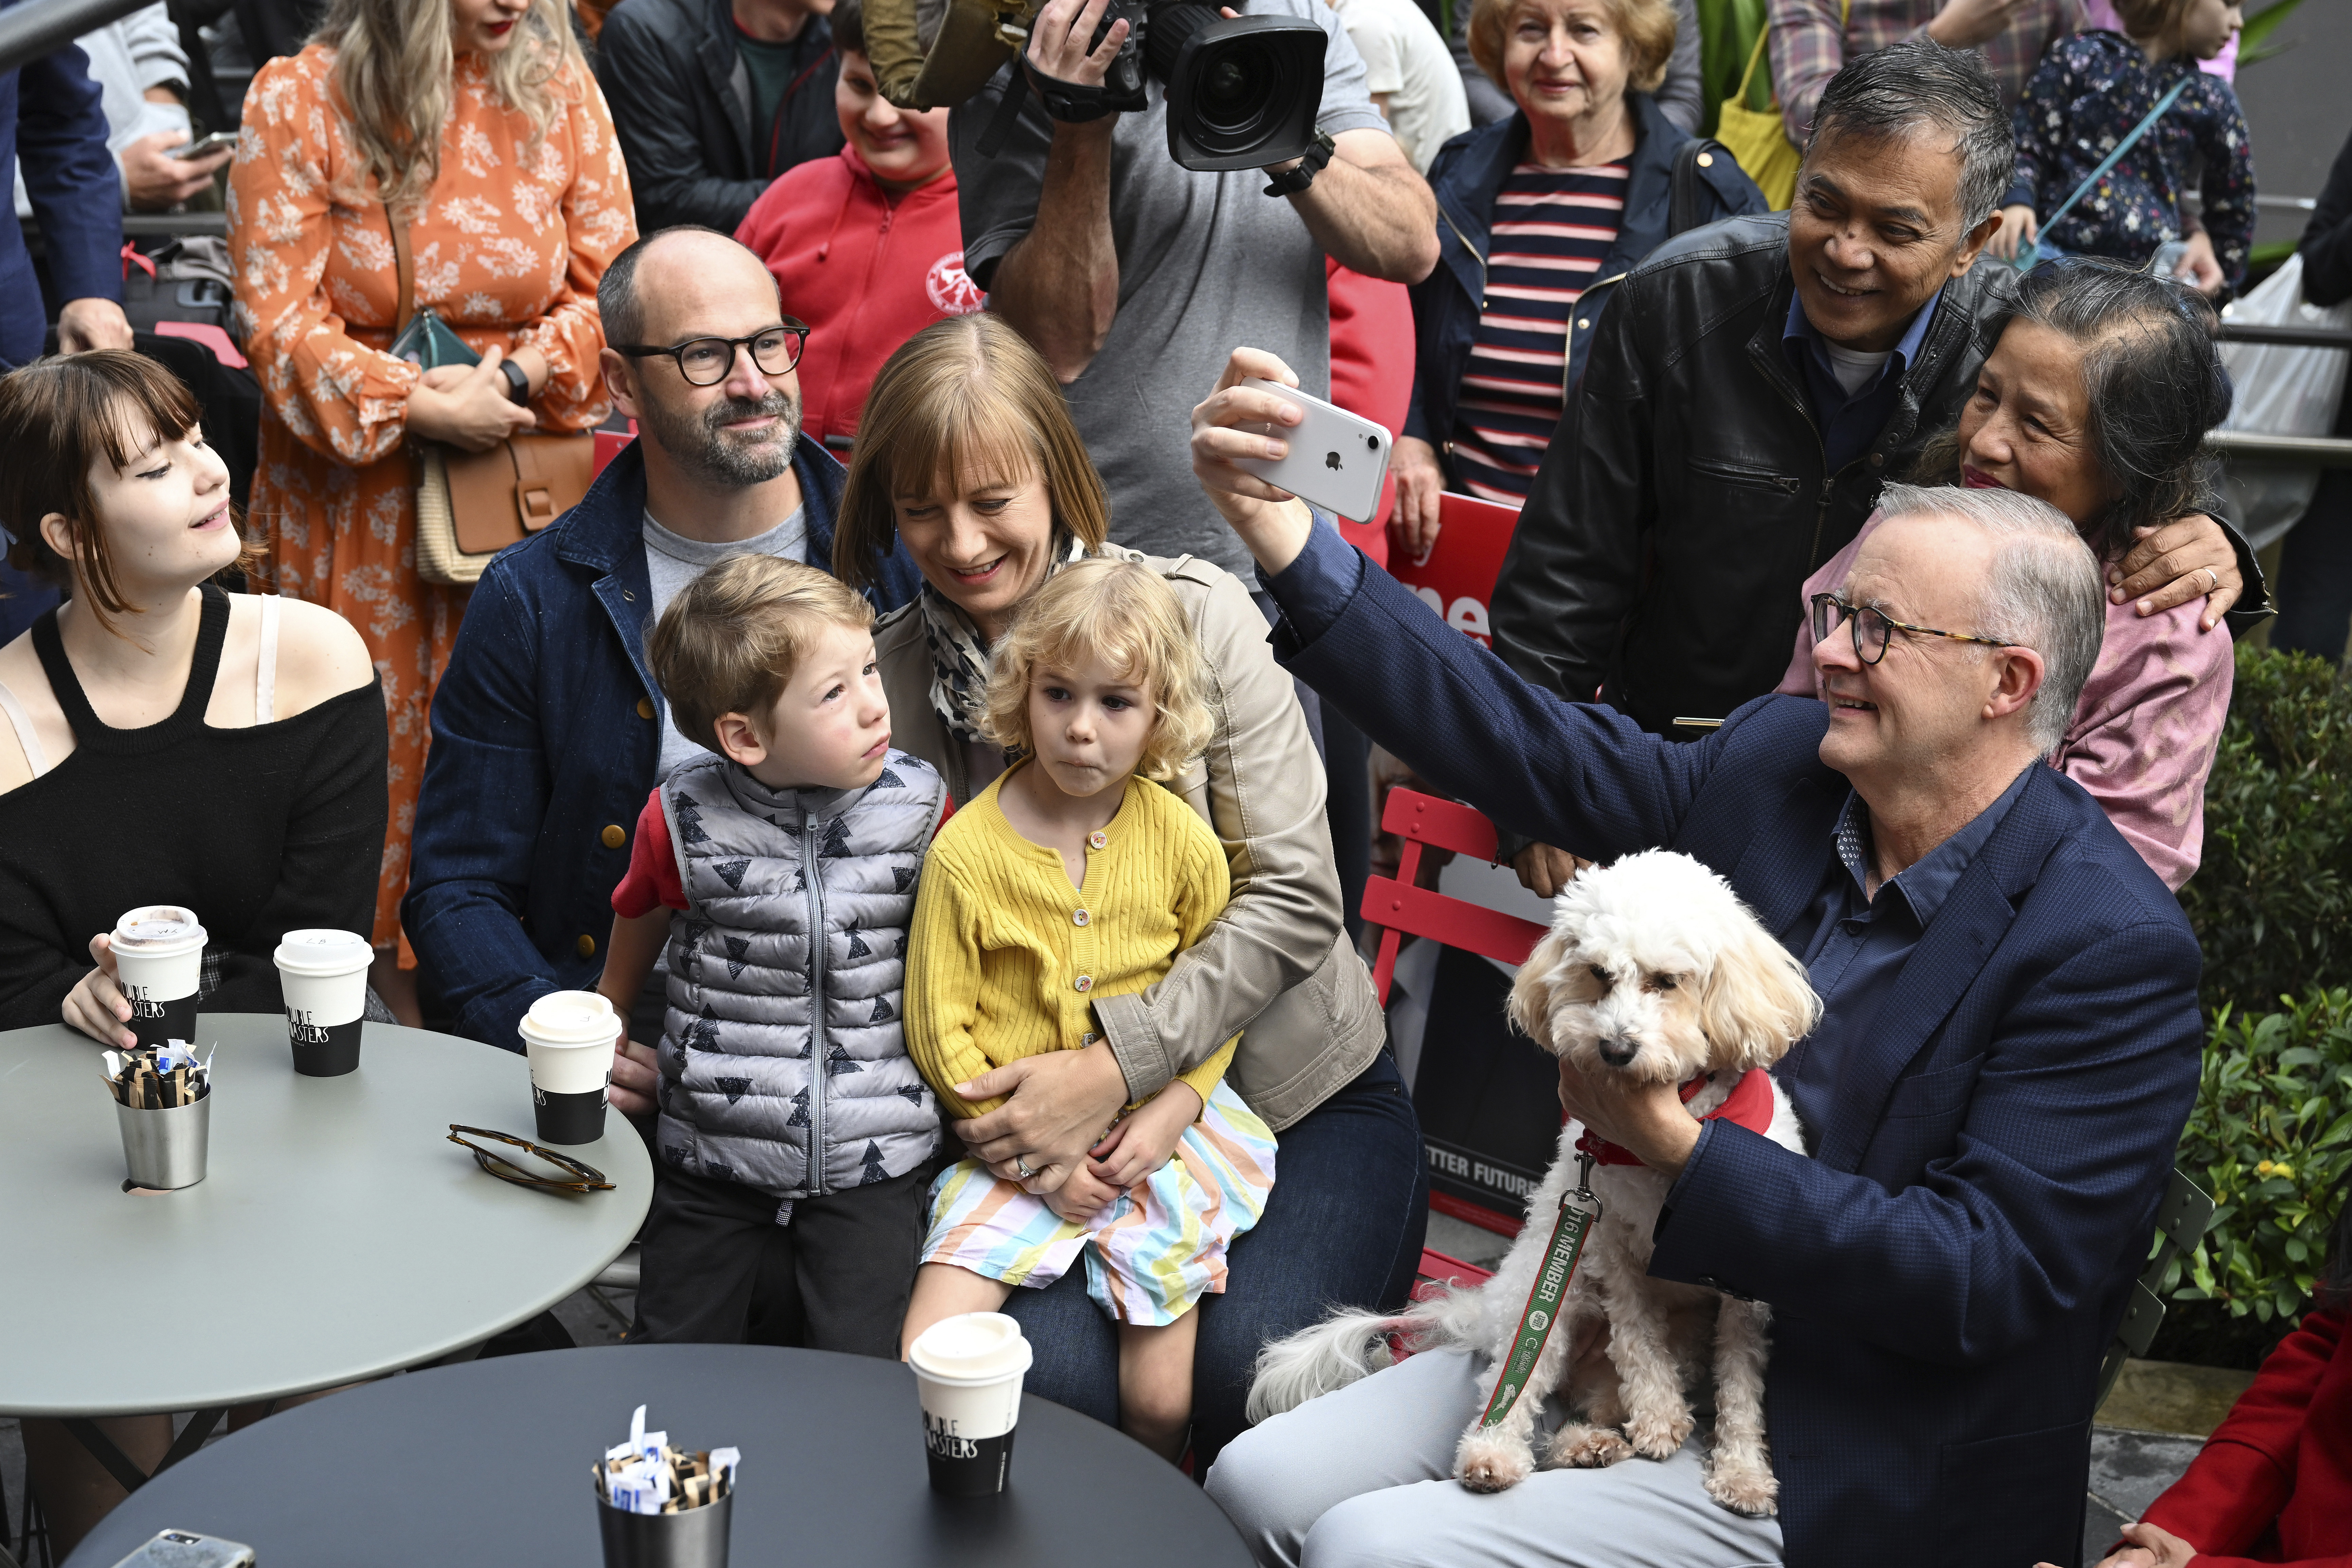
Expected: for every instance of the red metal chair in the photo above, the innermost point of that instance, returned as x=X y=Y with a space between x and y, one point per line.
x=1402 y=910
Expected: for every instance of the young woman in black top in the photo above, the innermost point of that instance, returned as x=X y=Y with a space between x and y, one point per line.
x=162 y=741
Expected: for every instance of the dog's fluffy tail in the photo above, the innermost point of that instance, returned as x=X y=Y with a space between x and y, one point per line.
x=1350 y=1345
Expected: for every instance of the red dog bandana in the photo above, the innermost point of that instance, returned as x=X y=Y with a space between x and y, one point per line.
x=1748 y=1105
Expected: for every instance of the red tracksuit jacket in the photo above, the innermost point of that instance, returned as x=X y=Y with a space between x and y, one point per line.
x=2273 y=1484
x=864 y=274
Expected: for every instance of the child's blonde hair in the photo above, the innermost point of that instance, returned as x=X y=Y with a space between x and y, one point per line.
x=732 y=638
x=1125 y=615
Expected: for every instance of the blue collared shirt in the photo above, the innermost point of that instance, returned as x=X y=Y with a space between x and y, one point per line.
x=1849 y=423
x=1857 y=943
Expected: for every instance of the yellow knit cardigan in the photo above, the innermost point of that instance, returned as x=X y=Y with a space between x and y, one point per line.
x=1006 y=958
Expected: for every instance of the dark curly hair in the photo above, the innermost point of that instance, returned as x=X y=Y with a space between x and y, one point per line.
x=2153 y=381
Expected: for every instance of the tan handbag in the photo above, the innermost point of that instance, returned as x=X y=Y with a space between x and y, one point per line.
x=471 y=505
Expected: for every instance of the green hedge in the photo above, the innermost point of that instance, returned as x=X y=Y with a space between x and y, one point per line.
x=2271 y=1137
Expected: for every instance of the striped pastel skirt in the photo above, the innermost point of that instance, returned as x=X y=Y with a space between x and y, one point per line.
x=1151 y=1253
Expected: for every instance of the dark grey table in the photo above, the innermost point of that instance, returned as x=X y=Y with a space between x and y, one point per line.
x=488 y=1463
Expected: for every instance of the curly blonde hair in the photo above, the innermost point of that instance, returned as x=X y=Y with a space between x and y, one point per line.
x=1126 y=616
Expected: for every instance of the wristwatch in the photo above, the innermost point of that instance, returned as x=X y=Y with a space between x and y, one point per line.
x=1301 y=174
x=518 y=383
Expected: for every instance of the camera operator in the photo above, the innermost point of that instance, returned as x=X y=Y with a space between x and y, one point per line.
x=1132 y=275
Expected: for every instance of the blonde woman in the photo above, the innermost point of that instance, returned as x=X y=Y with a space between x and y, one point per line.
x=966 y=454
x=476 y=124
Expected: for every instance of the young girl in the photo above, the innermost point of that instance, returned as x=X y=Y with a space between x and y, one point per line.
x=1070 y=879
x=2088 y=93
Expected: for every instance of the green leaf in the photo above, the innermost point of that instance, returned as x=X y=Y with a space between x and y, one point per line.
x=2254 y=35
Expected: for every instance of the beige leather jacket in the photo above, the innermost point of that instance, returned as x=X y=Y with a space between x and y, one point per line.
x=1277 y=965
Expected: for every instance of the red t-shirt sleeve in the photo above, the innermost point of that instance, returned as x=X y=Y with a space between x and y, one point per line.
x=653 y=879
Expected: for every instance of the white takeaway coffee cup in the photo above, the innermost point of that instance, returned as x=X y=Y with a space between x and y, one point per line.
x=322 y=975
x=159 y=961
x=968 y=1372
x=570 y=1037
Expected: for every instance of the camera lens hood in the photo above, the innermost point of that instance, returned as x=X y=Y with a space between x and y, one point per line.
x=1243 y=91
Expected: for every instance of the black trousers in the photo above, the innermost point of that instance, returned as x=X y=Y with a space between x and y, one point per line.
x=717 y=1269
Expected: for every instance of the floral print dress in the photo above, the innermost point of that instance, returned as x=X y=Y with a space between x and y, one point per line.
x=2088 y=93
x=508 y=247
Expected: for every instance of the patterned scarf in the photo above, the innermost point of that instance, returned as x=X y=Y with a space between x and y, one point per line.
x=960 y=660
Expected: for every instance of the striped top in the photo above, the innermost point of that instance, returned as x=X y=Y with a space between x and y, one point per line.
x=1552 y=230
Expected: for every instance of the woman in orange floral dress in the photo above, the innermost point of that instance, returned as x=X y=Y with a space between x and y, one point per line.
x=480 y=122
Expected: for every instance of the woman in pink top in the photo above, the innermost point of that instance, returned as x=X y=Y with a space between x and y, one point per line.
x=2096 y=399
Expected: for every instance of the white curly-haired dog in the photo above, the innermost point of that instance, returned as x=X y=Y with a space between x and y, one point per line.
x=1652 y=968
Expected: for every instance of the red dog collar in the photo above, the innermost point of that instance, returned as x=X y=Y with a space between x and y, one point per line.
x=1748 y=1105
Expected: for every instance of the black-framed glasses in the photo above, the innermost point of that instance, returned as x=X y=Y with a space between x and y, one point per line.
x=585 y=1178
x=1871 y=629
x=707 y=361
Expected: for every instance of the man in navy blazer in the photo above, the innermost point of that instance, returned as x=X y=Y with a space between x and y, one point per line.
x=2007 y=1051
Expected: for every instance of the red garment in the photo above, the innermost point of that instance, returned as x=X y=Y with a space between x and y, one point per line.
x=1371 y=376
x=2273 y=1484
x=1748 y=1105
x=866 y=274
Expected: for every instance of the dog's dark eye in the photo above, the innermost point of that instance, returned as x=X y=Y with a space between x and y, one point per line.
x=1600 y=973
x=1662 y=983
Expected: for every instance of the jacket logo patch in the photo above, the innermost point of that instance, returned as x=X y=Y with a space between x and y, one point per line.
x=882 y=1013
x=734 y=1088
x=950 y=287
x=732 y=872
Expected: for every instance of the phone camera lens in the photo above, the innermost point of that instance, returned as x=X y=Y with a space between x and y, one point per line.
x=1371 y=443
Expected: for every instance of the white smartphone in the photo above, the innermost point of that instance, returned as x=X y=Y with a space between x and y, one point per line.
x=1336 y=460
x=205 y=148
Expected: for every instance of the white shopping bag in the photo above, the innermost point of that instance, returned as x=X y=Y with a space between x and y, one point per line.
x=2281 y=391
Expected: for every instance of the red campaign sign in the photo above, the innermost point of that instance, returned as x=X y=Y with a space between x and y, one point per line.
x=608 y=447
x=1456 y=578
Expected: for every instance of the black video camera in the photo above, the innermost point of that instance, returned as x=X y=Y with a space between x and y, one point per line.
x=1243 y=91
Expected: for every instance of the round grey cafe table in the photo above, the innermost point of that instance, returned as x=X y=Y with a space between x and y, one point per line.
x=337 y=1236
x=488 y=1463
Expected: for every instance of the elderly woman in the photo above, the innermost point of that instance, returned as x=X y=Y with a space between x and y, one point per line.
x=967 y=454
x=2096 y=399
x=1537 y=214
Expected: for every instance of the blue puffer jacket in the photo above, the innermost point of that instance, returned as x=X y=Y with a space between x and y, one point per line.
x=1469 y=171
x=546 y=733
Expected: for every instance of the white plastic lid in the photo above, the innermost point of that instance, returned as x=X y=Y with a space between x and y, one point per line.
x=971 y=1348
x=323 y=953
x=158 y=930
x=570 y=1018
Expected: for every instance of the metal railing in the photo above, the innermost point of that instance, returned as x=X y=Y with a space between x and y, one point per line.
x=2253 y=447
x=2231 y=331
x=42 y=27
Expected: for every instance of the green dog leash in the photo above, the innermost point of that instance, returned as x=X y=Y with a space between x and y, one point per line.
x=1536 y=1323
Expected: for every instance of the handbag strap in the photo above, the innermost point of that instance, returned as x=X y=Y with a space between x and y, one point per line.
x=2122 y=147
x=405 y=270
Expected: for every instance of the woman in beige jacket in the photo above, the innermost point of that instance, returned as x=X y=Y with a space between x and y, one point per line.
x=967 y=454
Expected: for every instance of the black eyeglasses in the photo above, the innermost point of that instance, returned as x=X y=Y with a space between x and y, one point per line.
x=1871 y=629
x=707 y=361
x=586 y=1178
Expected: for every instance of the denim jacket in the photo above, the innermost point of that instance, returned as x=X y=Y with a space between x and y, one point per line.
x=1468 y=173
x=546 y=733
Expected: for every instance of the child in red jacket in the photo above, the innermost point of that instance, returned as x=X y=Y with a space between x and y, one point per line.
x=2273 y=1484
x=866 y=247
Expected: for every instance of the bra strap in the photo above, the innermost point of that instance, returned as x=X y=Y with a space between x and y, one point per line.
x=265 y=675
x=22 y=722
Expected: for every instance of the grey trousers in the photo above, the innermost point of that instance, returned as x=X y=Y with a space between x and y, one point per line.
x=1364 y=1477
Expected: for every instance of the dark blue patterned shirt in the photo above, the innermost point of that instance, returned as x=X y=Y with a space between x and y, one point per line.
x=2086 y=97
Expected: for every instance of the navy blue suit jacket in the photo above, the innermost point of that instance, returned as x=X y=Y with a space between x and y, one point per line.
x=1947 y=1270
x=50 y=120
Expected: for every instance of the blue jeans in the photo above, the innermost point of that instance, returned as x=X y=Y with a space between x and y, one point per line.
x=1343 y=1227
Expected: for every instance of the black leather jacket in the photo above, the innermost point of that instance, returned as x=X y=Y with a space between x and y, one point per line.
x=681 y=101
x=1661 y=552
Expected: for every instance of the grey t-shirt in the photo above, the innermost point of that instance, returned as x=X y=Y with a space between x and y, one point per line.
x=672 y=561
x=1207 y=263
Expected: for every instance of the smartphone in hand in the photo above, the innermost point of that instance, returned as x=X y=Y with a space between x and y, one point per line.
x=204 y=147
x=1337 y=461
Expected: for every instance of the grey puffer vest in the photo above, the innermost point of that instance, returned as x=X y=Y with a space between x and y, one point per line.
x=754 y=1002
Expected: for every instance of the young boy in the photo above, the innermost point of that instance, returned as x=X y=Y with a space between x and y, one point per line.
x=788 y=1201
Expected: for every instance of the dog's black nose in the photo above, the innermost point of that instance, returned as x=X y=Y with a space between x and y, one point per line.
x=1616 y=1053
